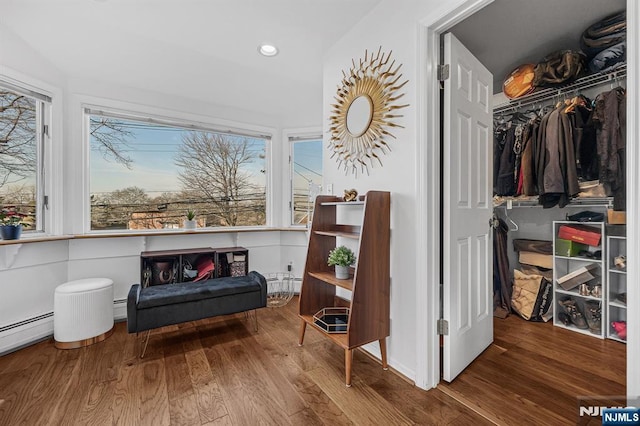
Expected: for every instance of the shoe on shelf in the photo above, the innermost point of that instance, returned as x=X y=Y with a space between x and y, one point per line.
x=564 y=318
x=571 y=309
x=620 y=328
x=593 y=313
x=622 y=297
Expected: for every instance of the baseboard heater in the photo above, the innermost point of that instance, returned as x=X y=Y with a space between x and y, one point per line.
x=45 y=316
x=25 y=322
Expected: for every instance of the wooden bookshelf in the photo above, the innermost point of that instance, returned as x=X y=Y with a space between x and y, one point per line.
x=369 y=306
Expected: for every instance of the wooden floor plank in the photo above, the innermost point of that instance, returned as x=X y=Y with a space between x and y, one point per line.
x=184 y=411
x=219 y=371
x=359 y=402
x=154 y=408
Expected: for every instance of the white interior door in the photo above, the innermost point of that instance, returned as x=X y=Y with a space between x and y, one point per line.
x=467 y=208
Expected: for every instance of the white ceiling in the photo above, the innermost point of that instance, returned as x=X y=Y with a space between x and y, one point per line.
x=207 y=49
x=508 y=33
x=199 y=49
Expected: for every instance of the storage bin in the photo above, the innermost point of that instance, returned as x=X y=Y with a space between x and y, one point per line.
x=569 y=248
x=238 y=269
x=580 y=233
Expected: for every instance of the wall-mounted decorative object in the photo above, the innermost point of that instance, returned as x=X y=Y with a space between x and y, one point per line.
x=365 y=111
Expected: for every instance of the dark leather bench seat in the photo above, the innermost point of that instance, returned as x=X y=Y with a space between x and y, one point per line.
x=168 y=304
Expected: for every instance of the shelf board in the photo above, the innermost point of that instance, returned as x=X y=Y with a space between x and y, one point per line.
x=576 y=294
x=614 y=336
x=339 y=338
x=343 y=203
x=353 y=235
x=330 y=278
x=578 y=330
x=617 y=271
x=617 y=304
x=578 y=258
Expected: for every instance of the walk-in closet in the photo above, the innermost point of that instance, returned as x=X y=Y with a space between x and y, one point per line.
x=558 y=168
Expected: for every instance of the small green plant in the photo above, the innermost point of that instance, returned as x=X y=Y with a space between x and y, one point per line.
x=191 y=214
x=341 y=256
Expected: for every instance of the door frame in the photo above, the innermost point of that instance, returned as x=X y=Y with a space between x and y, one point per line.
x=428 y=189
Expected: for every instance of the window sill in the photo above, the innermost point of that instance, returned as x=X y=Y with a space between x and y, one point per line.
x=35 y=239
x=42 y=238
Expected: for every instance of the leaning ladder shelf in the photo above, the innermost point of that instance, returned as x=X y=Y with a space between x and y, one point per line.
x=369 y=281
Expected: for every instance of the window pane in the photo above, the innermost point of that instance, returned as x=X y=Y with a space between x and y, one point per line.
x=18 y=156
x=146 y=176
x=306 y=179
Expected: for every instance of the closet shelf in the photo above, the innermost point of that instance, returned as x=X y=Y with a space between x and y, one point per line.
x=510 y=202
x=553 y=92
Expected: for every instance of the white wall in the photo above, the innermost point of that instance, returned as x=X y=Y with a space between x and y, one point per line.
x=30 y=272
x=394 y=28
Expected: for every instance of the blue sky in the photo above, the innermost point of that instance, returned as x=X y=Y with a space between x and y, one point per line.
x=152 y=150
x=307 y=157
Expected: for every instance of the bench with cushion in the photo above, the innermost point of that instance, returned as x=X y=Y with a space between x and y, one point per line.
x=168 y=304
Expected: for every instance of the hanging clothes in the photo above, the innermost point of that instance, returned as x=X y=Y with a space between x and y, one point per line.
x=584 y=138
x=610 y=118
x=527 y=181
x=502 y=284
x=556 y=167
x=505 y=182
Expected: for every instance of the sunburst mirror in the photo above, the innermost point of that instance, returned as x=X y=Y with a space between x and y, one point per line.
x=365 y=111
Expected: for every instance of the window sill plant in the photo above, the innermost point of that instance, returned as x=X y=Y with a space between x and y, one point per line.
x=341 y=257
x=11 y=223
x=190 y=221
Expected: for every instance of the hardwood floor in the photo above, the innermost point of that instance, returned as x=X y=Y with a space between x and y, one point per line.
x=220 y=372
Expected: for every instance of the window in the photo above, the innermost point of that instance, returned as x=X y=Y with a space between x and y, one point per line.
x=146 y=174
x=306 y=177
x=23 y=130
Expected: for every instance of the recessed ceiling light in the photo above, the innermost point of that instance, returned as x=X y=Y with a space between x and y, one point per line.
x=268 y=50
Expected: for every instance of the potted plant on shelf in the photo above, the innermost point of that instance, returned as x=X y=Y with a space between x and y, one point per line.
x=11 y=223
x=341 y=257
x=190 y=221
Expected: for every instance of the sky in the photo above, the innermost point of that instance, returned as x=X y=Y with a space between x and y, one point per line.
x=153 y=149
x=307 y=158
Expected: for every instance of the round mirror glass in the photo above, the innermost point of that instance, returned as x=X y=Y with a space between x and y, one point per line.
x=359 y=115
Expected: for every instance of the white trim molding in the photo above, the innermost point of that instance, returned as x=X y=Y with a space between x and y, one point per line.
x=633 y=198
x=428 y=187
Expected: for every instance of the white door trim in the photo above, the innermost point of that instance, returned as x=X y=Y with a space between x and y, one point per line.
x=428 y=187
x=633 y=198
x=428 y=190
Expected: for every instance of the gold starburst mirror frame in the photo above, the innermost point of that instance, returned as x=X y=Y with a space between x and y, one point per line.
x=364 y=112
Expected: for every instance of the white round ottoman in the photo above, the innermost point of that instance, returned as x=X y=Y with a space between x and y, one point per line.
x=82 y=312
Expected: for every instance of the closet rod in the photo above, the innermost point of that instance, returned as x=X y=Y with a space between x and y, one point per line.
x=550 y=93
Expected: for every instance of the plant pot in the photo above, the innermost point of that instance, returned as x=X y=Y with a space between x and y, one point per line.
x=10 y=232
x=342 y=272
x=190 y=224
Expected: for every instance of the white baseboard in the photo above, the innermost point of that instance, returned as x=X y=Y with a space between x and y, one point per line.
x=25 y=335
x=37 y=329
x=374 y=350
x=120 y=310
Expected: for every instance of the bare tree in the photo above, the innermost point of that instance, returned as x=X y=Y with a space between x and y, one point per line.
x=116 y=208
x=112 y=137
x=212 y=167
x=17 y=137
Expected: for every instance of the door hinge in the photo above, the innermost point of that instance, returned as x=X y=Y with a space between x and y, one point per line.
x=290 y=205
x=443 y=327
x=443 y=72
x=45 y=202
x=45 y=129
